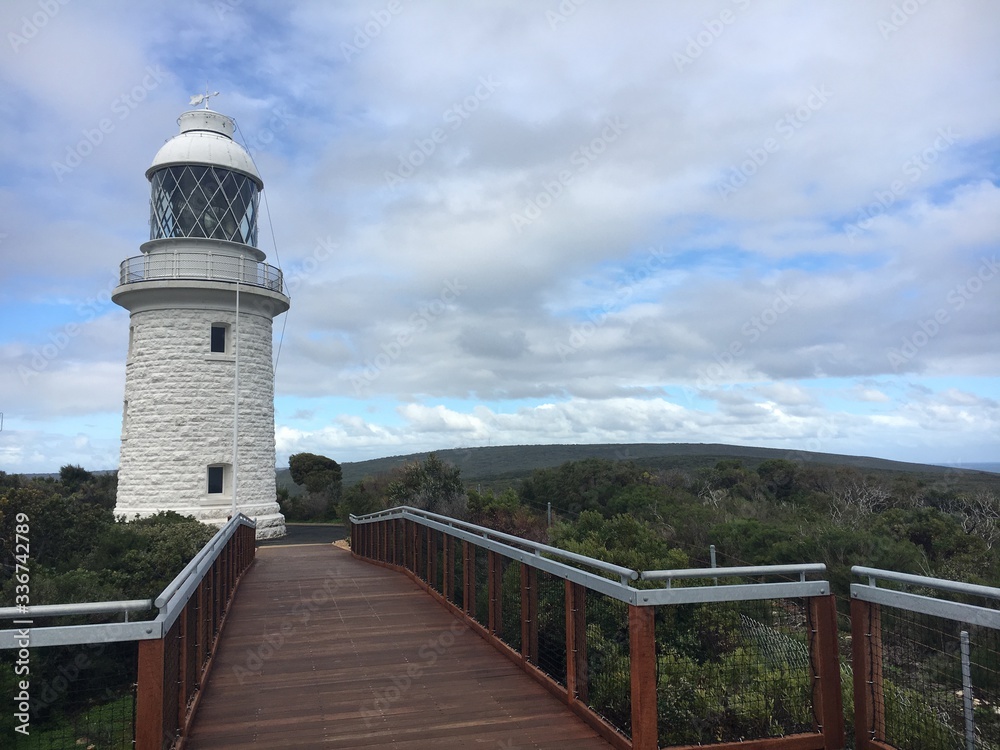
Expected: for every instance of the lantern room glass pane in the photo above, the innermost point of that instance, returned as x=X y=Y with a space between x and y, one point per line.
x=201 y=201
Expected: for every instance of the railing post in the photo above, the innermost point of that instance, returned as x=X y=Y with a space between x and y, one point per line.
x=576 y=641
x=866 y=661
x=149 y=696
x=642 y=658
x=529 y=614
x=827 y=698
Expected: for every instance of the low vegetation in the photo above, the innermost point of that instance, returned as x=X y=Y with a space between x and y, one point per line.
x=79 y=552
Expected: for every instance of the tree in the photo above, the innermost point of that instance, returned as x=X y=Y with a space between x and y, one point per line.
x=322 y=479
x=432 y=485
x=72 y=477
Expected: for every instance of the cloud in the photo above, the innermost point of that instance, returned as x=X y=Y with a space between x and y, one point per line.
x=567 y=176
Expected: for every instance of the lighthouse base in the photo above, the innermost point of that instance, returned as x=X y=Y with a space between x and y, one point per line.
x=270 y=522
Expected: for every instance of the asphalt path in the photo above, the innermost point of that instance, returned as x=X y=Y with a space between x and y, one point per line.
x=308 y=533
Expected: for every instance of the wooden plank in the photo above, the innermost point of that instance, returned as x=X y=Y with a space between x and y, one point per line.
x=642 y=664
x=322 y=649
x=576 y=641
x=827 y=700
x=791 y=742
x=866 y=662
x=149 y=696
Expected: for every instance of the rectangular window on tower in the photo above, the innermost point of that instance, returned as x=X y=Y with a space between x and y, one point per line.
x=216 y=479
x=219 y=336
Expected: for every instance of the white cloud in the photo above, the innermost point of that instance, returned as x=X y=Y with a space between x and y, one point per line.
x=638 y=301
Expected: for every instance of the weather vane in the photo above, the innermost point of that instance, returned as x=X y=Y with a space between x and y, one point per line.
x=199 y=98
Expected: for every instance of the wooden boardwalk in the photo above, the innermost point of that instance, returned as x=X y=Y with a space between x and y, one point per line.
x=322 y=650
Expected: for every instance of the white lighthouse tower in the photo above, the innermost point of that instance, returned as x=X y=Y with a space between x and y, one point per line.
x=198 y=417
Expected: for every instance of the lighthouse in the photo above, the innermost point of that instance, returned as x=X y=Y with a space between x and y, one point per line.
x=198 y=413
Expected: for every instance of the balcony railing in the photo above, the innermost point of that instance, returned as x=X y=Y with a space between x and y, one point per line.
x=712 y=658
x=202 y=266
x=171 y=657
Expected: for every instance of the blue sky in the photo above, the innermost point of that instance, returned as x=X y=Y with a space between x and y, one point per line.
x=516 y=222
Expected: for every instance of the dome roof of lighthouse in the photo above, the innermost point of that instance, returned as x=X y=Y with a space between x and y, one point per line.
x=206 y=137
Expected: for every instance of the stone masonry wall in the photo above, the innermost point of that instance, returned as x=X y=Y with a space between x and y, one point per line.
x=178 y=418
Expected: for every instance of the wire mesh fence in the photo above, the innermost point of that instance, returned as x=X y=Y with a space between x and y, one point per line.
x=929 y=691
x=80 y=696
x=436 y=560
x=552 y=626
x=722 y=671
x=481 y=611
x=509 y=598
x=732 y=671
x=609 y=674
x=458 y=579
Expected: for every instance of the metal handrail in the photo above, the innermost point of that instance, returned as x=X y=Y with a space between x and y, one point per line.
x=744 y=570
x=132 y=605
x=530 y=553
x=81 y=608
x=203 y=266
x=941 y=584
x=222 y=536
x=536 y=547
x=170 y=603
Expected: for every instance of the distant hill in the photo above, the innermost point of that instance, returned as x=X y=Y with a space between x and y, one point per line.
x=504 y=464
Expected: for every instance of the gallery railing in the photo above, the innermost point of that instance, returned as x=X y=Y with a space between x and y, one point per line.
x=170 y=655
x=926 y=660
x=718 y=656
x=202 y=266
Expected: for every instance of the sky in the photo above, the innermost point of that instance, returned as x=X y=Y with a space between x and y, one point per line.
x=523 y=222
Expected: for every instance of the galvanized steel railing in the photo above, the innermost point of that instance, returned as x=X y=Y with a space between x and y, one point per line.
x=598 y=636
x=926 y=668
x=202 y=266
x=174 y=648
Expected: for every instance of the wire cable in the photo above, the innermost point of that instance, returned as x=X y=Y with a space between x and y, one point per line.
x=274 y=244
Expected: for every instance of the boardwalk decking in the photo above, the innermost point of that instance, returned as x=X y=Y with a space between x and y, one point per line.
x=322 y=650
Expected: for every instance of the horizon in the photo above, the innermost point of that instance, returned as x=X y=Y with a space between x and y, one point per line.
x=570 y=224
x=987 y=466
